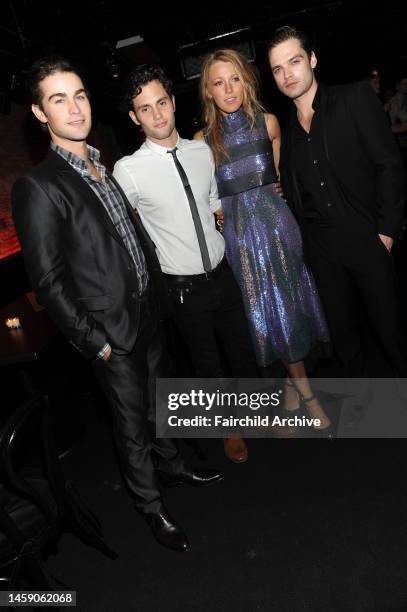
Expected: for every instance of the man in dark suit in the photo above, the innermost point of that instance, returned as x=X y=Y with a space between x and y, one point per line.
x=94 y=268
x=342 y=174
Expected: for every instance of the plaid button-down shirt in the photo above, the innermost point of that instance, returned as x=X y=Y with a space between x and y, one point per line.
x=114 y=205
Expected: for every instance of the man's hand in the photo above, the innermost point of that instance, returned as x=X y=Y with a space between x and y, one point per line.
x=387 y=241
x=106 y=356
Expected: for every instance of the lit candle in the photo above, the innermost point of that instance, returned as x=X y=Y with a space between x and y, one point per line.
x=13 y=323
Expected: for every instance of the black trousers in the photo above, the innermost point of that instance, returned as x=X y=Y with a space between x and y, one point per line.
x=210 y=310
x=351 y=265
x=128 y=382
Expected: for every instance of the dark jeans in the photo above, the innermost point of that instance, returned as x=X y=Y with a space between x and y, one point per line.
x=207 y=310
x=128 y=382
x=350 y=261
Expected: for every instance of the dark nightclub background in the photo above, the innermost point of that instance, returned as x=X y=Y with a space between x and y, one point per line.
x=304 y=525
x=107 y=37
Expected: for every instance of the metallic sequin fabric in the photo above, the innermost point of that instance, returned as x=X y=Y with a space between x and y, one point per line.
x=264 y=249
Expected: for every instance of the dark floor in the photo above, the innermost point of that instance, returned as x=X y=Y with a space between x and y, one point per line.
x=304 y=525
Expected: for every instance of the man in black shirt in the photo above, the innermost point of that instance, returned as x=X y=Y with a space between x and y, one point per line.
x=342 y=174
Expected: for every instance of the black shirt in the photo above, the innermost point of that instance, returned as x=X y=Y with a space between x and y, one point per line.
x=318 y=187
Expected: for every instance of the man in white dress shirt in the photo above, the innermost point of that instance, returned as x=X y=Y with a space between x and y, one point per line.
x=206 y=299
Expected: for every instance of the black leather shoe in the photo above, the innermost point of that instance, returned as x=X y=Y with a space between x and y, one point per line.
x=195 y=477
x=166 y=531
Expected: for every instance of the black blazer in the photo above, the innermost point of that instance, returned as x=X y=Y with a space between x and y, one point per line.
x=77 y=262
x=363 y=155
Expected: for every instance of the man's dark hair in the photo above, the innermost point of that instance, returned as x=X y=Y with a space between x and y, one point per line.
x=41 y=69
x=286 y=33
x=142 y=75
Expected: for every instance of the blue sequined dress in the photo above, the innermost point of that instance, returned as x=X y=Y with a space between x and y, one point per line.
x=264 y=248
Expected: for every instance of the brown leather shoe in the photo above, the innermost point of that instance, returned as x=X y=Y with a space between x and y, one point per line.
x=235 y=449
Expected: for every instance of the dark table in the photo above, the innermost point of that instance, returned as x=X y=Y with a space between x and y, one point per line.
x=22 y=348
x=31 y=340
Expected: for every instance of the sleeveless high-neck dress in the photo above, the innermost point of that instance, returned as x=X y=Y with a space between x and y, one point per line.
x=264 y=248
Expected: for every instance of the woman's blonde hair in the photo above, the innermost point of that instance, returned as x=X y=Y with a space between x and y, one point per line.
x=212 y=115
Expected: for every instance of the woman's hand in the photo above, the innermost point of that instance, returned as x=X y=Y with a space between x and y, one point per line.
x=219 y=219
x=278 y=189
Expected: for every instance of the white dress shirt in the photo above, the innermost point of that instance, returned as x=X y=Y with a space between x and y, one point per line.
x=153 y=186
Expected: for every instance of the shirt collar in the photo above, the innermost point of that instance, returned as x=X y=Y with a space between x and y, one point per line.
x=156 y=148
x=78 y=162
x=316 y=104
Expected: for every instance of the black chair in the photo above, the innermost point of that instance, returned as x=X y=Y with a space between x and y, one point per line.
x=24 y=537
x=37 y=502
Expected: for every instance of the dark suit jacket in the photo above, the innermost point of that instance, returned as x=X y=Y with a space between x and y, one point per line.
x=77 y=263
x=362 y=153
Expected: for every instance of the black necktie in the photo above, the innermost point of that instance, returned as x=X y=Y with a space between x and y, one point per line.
x=194 y=211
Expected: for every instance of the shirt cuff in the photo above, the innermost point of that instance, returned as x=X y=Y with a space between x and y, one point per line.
x=215 y=205
x=104 y=350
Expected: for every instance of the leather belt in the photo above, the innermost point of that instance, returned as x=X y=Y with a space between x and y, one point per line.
x=175 y=278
